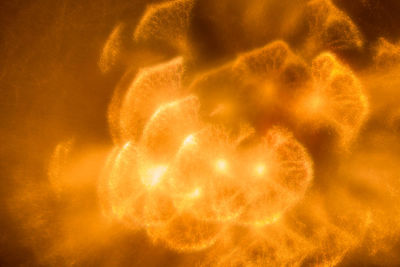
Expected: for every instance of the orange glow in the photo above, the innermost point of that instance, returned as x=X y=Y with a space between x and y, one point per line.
x=202 y=133
x=154 y=175
x=221 y=165
x=261 y=169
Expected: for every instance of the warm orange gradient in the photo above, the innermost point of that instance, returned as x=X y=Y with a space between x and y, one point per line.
x=259 y=141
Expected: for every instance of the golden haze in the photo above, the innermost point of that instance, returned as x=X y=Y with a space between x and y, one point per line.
x=239 y=133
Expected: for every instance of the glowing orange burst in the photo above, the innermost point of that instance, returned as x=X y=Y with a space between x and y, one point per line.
x=182 y=169
x=215 y=159
x=193 y=162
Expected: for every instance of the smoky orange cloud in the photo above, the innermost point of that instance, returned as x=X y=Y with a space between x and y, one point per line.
x=195 y=160
x=281 y=154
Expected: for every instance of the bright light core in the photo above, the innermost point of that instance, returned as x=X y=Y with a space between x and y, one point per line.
x=221 y=165
x=154 y=175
